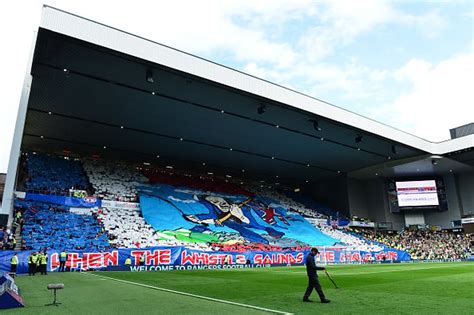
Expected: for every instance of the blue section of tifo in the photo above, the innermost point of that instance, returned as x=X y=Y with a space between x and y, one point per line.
x=64 y=200
x=52 y=226
x=54 y=174
x=165 y=208
x=162 y=215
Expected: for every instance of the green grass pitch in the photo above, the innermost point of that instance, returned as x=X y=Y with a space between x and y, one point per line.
x=435 y=288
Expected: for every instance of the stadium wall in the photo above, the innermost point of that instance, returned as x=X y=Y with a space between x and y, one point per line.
x=466 y=192
x=444 y=218
x=368 y=199
x=357 y=196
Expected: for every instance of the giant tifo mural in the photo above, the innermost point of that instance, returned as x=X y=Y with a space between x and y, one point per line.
x=192 y=215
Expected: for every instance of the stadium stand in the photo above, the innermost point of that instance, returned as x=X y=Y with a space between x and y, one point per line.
x=51 y=226
x=6 y=239
x=198 y=181
x=125 y=227
x=310 y=203
x=49 y=174
x=285 y=201
x=113 y=180
x=176 y=209
x=208 y=214
x=423 y=244
x=352 y=242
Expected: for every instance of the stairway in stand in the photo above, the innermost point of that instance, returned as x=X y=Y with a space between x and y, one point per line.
x=18 y=239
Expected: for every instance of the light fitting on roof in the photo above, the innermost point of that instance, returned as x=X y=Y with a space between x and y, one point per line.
x=394 y=149
x=149 y=76
x=261 y=109
x=358 y=139
x=315 y=124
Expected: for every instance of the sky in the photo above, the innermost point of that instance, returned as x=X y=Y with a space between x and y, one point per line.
x=408 y=64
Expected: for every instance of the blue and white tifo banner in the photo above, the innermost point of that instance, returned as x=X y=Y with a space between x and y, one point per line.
x=86 y=202
x=179 y=258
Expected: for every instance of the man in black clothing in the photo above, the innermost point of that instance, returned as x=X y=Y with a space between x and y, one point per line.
x=313 y=281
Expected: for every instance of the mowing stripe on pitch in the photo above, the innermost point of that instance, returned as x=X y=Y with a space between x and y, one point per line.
x=191 y=295
x=404 y=268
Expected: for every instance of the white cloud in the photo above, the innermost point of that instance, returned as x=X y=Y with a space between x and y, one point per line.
x=429 y=24
x=441 y=98
x=343 y=21
x=16 y=26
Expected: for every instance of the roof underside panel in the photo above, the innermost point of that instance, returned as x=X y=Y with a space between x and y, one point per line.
x=85 y=97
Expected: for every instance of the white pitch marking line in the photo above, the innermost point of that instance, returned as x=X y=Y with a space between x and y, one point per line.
x=192 y=295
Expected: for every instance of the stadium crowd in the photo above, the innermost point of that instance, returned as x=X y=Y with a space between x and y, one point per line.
x=423 y=244
x=7 y=239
